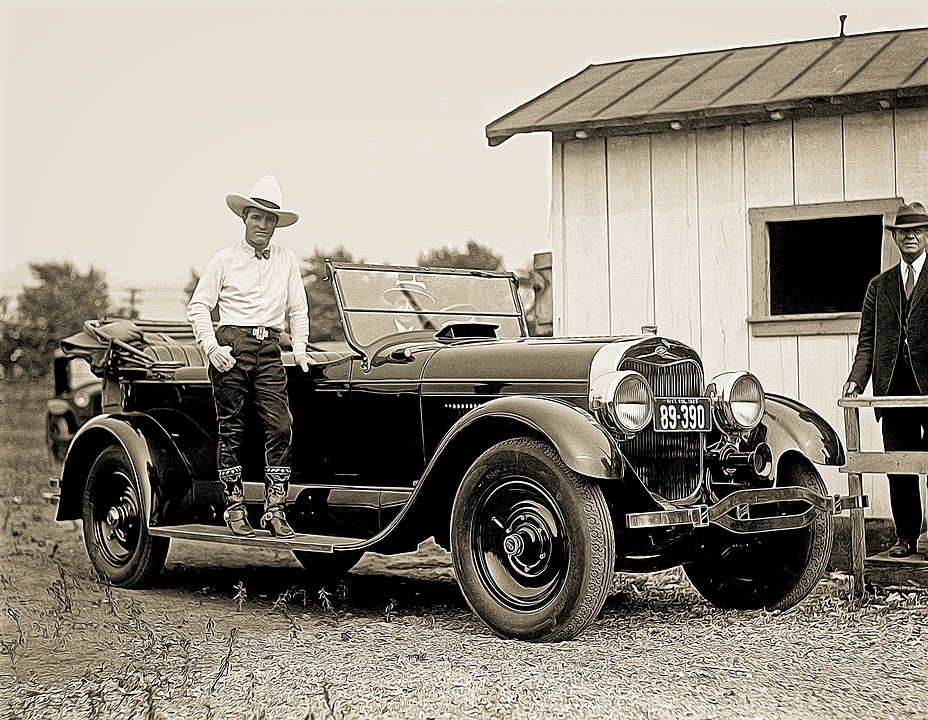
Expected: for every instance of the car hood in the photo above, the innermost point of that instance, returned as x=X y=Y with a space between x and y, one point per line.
x=554 y=359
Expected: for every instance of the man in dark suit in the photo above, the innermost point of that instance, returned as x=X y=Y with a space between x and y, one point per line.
x=893 y=347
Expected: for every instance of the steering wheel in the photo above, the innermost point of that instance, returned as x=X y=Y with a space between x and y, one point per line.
x=457 y=307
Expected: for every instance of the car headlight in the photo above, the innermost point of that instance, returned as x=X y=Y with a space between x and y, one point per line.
x=738 y=399
x=623 y=401
x=82 y=398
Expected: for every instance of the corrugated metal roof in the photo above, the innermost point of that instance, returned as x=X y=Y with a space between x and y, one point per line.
x=720 y=86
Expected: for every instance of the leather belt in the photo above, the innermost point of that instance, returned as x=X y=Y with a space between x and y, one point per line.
x=260 y=332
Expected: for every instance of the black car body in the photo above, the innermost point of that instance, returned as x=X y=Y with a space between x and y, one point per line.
x=542 y=464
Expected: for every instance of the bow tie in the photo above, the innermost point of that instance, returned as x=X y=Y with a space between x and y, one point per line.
x=266 y=253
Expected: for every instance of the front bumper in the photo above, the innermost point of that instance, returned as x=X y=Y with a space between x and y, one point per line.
x=733 y=512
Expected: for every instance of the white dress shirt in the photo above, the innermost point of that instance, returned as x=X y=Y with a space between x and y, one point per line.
x=251 y=292
x=916 y=269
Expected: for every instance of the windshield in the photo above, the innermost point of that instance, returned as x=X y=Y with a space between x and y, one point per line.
x=384 y=301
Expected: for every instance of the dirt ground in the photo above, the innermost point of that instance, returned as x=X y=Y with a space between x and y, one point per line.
x=242 y=634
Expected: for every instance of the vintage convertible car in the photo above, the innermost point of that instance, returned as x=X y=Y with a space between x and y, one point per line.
x=543 y=464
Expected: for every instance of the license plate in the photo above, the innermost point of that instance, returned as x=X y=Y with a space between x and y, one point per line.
x=682 y=414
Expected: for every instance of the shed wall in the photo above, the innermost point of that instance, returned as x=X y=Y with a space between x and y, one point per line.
x=653 y=229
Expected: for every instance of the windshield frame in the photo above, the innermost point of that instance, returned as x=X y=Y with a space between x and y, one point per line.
x=417 y=336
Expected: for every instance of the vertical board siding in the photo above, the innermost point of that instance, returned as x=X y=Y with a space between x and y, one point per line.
x=768 y=181
x=869 y=173
x=722 y=249
x=869 y=156
x=676 y=237
x=559 y=262
x=586 y=274
x=631 y=249
x=911 y=136
x=818 y=153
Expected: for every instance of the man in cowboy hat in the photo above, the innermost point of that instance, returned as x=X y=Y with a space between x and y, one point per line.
x=257 y=286
x=892 y=346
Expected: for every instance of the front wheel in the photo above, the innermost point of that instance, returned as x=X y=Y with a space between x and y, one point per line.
x=770 y=570
x=532 y=543
x=115 y=532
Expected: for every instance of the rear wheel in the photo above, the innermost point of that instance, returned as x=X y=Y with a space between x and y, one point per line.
x=115 y=532
x=769 y=570
x=532 y=543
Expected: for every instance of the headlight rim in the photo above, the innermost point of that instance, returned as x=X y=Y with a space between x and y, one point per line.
x=604 y=392
x=720 y=388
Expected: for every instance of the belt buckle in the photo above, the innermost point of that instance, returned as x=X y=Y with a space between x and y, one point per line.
x=260 y=332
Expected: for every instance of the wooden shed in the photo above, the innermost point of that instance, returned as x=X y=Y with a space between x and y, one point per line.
x=735 y=199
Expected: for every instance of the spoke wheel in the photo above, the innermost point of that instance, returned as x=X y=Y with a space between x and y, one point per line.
x=115 y=533
x=532 y=543
x=769 y=570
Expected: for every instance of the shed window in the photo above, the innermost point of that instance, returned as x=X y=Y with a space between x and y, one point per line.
x=823 y=265
x=811 y=265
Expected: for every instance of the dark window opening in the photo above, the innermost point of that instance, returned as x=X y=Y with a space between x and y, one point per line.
x=823 y=265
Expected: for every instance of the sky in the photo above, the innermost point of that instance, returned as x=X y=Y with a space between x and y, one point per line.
x=124 y=124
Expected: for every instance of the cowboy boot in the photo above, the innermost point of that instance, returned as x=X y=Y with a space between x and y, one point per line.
x=276 y=480
x=235 y=516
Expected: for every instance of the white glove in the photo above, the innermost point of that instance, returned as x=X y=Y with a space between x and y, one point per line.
x=221 y=358
x=304 y=360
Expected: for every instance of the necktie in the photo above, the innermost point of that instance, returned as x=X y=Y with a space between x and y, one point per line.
x=266 y=253
x=909 y=281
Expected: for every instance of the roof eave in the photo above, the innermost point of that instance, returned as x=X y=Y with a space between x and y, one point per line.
x=916 y=96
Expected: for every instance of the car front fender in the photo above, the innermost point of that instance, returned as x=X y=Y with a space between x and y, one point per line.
x=582 y=443
x=790 y=425
x=164 y=478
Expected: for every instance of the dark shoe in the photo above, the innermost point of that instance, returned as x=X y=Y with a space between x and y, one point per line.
x=237 y=522
x=902 y=548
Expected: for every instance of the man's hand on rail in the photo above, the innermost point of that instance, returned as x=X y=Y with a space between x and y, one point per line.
x=850 y=389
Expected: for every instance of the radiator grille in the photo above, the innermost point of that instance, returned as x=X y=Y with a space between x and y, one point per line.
x=669 y=464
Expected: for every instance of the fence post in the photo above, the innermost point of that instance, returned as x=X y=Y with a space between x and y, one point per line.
x=855 y=488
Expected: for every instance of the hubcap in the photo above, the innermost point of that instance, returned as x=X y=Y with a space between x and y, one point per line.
x=117 y=521
x=520 y=547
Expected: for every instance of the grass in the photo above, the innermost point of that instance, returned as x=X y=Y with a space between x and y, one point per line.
x=226 y=634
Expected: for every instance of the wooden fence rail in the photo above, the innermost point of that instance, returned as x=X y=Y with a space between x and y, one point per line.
x=859 y=462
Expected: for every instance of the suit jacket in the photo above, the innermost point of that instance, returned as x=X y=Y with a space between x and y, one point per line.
x=881 y=323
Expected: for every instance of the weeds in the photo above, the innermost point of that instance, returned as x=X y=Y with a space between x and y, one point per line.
x=241 y=594
x=331 y=710
x=226 y=663
x=60 y=591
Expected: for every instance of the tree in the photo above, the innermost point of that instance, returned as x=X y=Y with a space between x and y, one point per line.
x=475 y=257
x=48 y=312
x=324 y=321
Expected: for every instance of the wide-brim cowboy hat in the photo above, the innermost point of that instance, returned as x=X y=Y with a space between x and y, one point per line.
x=909 y=216
x=265 y=195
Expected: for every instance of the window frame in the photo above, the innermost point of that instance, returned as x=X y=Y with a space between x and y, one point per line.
x=761 y=322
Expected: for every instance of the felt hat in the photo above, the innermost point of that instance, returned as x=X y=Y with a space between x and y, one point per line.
x=265 y=195
x=909 y=216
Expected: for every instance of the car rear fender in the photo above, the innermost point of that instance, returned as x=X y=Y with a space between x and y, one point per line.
x=164 y=476
x=790 y=425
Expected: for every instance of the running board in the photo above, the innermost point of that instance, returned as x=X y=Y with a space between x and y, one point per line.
x=262 y=538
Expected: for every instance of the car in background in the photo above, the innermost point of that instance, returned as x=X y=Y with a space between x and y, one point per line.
x=76 y=399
